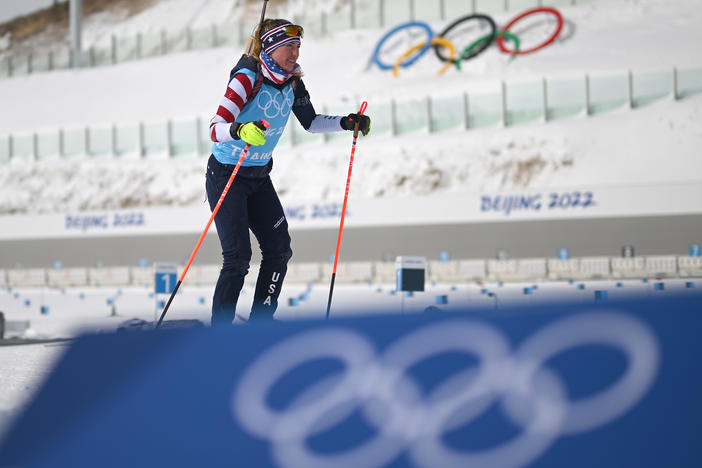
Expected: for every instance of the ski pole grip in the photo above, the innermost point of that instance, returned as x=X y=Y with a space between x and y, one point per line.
x=262 y=124
x=363 y=107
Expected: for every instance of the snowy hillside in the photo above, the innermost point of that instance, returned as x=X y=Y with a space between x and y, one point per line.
x=658 y=143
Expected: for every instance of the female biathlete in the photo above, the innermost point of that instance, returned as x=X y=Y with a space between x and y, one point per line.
x=263 y=86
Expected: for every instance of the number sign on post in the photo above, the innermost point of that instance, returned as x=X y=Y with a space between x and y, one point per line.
x=165 y=279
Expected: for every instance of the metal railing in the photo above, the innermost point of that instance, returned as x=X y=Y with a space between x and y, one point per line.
x=510 y=104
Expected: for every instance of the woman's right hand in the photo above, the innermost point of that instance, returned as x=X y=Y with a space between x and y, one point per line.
x=253 y=133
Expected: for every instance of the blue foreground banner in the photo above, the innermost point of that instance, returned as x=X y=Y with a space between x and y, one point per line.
x=612 y=384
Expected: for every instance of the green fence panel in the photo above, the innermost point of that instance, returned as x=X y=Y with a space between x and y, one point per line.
x=455 y=9
x=4 y=67
x=411 y=116
x=650 y=87
x=176 y=41
x=233 y=33
x=565 y=97
x=202 y=38
x=20 y=65
x=183 y=138
x=4 y=149
x=607 y=93
x=489 y=6
x=74 y=142
x=61 y=59
x=126 y=48
x=22 y=146
x=41 y=62
x=689 y=82
x=204 y=134
x=126 y=139
x=338 y=21
x=484 y=110
x=524 y=103
x=300 y=136
x=100 y=142
x=517 y=6
x=102 y=56
x=151 y=45
x=447 y=113
x=47 y=145
x=396 y=12
x=155 y=139
x=427 y=11
x=368 y=14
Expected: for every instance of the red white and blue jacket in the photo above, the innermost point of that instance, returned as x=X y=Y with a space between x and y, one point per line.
x=279 y=94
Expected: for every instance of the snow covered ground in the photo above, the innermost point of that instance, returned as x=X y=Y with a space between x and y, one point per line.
x=630 y=147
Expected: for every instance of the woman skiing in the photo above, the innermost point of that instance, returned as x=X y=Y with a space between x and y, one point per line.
x=264 y=88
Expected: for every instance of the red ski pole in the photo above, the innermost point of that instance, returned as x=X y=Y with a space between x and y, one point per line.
x=343 y=209
x=202 y=236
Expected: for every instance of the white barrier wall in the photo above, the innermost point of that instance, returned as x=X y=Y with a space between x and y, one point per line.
x=530 y=269
x=594 y=267
x=559 y=269
x=67 y=277
x=349 y=272
x=661 y=265
x=115 y=276
x=35 y=277
x=204 y=274
x=690 y=266
x=634 y=267
x=303 y=273
x=472 y=269
x=142 y=276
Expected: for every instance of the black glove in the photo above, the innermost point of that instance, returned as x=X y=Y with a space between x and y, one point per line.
x=349 y=122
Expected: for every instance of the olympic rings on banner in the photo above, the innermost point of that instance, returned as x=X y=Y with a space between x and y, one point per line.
x=559 y=17
x=488 y=38
x=474 y=49
x=410 y=418
x=464 y=19
x=421 y=24
x=436 y=41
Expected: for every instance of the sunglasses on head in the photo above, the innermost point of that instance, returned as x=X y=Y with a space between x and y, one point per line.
x=294 y=31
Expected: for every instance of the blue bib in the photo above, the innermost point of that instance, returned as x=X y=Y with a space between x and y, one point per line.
x=271 y=104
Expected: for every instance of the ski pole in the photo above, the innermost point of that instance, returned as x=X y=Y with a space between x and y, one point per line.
x=343 y=209
x=249 y=45
x=207 y=227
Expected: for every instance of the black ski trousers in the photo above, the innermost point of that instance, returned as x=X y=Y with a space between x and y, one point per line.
x=251 y=203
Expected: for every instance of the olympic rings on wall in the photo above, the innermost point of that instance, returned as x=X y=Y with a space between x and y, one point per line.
x=473 y=50
x=486 y=39
x=478 y=50
x=421 y=24
x=559 y=17
x=436 y=41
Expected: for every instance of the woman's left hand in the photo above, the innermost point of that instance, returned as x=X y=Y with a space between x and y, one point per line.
x=364 y=123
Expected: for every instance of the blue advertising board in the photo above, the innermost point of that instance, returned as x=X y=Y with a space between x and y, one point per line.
x=609 y=384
